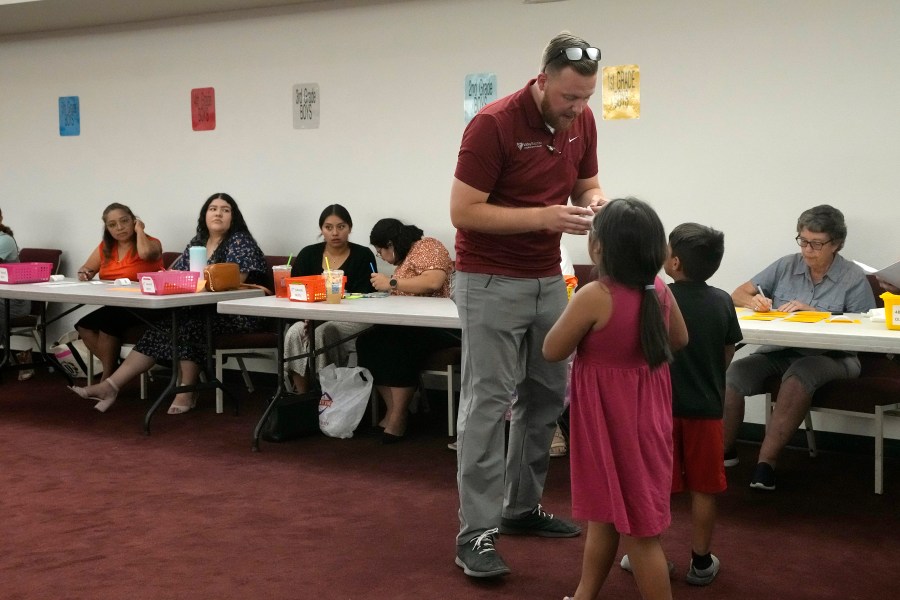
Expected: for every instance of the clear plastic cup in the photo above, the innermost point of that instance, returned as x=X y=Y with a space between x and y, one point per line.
x=279 y=274
x=334 y=285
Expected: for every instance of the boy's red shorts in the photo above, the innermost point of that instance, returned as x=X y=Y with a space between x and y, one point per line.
x=697 y=461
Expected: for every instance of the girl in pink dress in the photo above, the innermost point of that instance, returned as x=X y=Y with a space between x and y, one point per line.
x=625 y=327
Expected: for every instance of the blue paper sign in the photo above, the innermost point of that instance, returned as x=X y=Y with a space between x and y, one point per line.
x=69 y=116
x=480 y=89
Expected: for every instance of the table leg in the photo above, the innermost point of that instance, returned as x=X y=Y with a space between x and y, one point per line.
x=173 y=386
x=279 y=389
x=7 y=351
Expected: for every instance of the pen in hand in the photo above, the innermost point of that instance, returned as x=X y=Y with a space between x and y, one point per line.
x=765 y=305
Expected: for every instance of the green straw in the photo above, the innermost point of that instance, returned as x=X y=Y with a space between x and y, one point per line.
x=290 y=256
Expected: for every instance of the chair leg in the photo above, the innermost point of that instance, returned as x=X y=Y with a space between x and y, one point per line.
x=810 y=435
x=90 y=367
x=879 y=449
x=244 y=373
x=769 y=407
x=373 y=402
x=220 y=404
x=145 y=384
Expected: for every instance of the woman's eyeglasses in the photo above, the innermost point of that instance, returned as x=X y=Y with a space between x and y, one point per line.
x=816 y=245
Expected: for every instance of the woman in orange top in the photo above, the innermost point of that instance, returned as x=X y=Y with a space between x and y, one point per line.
x=125 y=251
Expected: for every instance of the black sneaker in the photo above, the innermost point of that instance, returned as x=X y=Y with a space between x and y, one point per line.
x=479 y=558
x=704 y=576
x=539 y=523
x=763 y=477
x=731 y=458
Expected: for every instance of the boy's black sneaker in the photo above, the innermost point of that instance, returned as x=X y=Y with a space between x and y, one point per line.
x=539 y=523
x=763 y=477
x=703 y=576
x=479 y=558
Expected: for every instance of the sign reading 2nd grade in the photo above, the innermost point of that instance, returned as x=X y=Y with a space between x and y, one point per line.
x=307 y=102
x=480 y=90
x=203 y=109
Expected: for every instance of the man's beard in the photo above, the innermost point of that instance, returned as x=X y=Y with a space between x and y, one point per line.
x=554 y=120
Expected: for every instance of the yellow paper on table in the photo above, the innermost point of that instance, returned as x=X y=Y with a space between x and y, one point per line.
x=808 y=316
x=765 y=316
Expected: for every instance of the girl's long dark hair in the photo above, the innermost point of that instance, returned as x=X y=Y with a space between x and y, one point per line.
x=632 y=251
x=237 y=224
x=108 y=240
x=393 y=232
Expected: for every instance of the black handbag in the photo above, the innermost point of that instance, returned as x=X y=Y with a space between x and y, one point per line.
x=295 y=416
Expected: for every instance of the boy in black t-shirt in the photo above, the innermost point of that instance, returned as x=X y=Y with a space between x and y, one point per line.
x=698 y=383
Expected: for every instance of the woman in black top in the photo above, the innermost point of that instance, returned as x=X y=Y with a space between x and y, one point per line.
x=358 y=263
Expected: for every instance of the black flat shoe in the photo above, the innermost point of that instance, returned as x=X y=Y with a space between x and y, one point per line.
x=390 y=438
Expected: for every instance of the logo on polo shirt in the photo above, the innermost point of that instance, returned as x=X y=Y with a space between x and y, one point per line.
x=528 y=145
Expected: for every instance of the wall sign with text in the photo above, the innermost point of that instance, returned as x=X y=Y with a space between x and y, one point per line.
x=69 y=116
x=480 y=89
x=307 y=103
x=203 y=109
x=622 y=92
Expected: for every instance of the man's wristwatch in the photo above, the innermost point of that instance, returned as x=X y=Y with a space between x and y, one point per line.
x=393 y=283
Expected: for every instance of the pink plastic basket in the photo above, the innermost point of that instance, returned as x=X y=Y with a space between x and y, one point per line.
x=160 y=283
x=26 y=272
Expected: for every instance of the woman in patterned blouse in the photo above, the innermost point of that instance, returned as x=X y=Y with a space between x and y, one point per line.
x=222 y=229
x=393 y=353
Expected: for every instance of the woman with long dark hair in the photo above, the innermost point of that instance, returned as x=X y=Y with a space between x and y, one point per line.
x=222 y=229
x=336 y=251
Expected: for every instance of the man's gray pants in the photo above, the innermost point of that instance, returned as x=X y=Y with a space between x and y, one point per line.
x=504 y=322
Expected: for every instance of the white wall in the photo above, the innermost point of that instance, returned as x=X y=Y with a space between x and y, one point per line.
x=751 y=113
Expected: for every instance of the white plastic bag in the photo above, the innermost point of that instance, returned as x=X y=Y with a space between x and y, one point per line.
x=345 y=393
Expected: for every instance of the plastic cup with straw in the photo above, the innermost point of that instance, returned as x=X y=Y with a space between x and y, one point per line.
x=280 y=273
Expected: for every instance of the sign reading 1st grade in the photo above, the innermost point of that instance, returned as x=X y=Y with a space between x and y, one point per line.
x=306 y=101
x=481 y=89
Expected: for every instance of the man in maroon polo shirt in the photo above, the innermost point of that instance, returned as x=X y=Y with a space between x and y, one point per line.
x=521 y=160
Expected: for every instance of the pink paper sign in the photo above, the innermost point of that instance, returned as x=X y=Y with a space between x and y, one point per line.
x=203 y=109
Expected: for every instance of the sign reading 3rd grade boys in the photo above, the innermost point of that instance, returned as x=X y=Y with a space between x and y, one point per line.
x=481 y=89
x=307 y=102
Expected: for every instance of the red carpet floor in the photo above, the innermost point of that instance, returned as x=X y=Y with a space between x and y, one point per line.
x=92 y=508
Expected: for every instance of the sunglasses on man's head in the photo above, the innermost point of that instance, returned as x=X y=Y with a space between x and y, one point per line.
x=579 y=53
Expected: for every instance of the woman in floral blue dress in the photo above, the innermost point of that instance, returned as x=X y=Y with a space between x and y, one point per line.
x=222 y=229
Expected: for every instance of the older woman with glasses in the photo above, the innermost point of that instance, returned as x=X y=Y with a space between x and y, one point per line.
x=817 y=278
